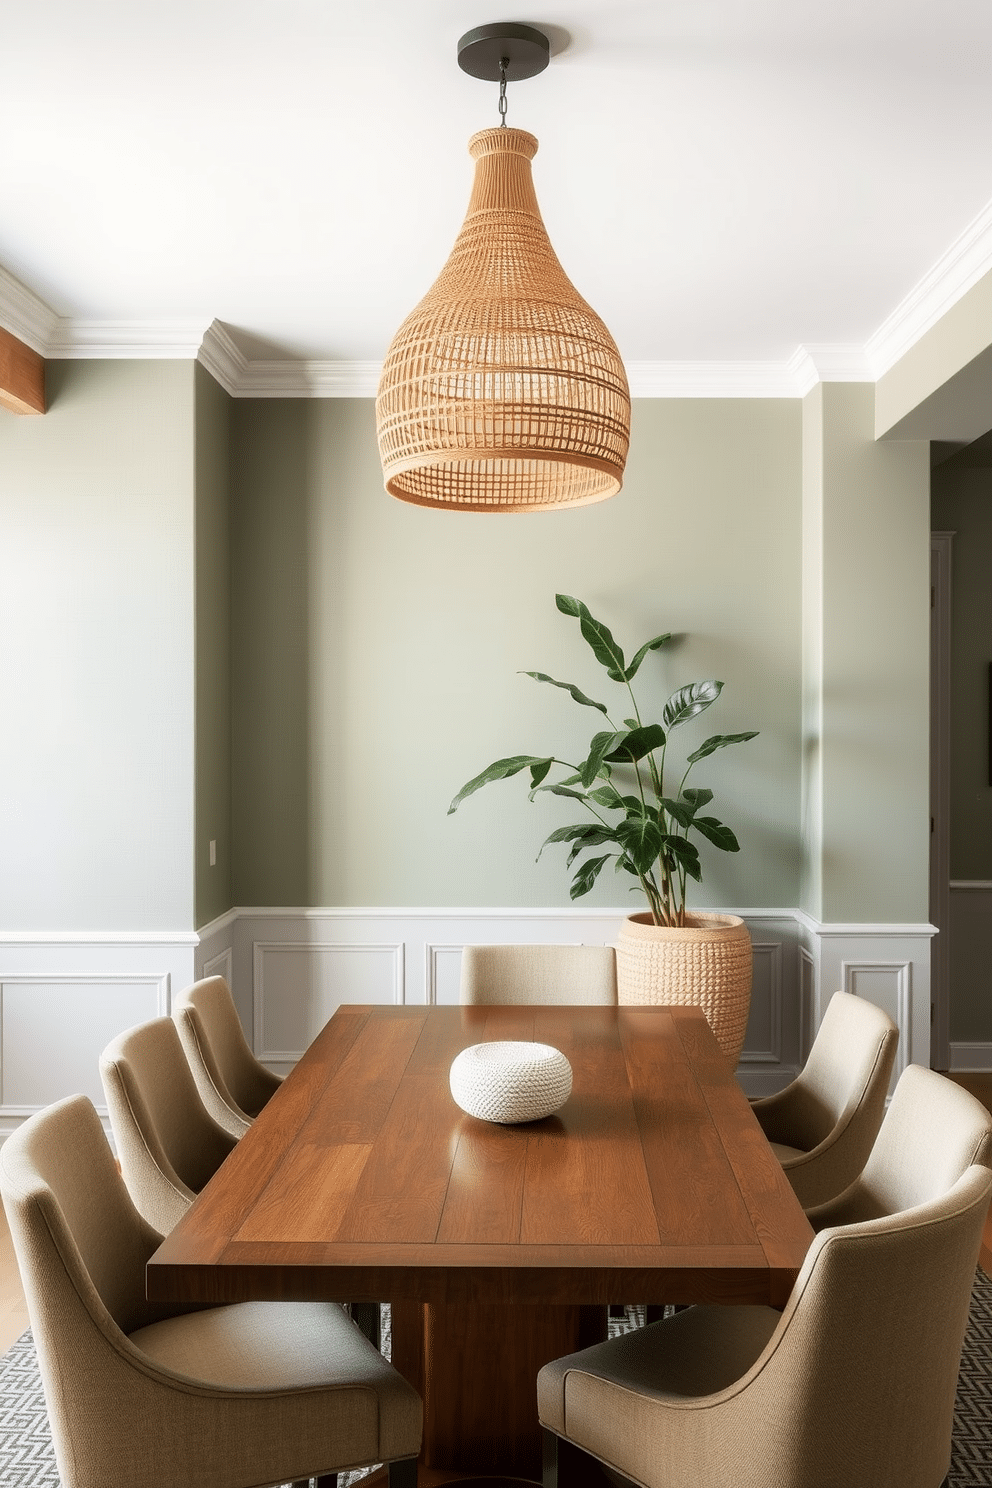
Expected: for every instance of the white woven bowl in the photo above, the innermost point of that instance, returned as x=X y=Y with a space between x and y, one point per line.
x=509 y=1082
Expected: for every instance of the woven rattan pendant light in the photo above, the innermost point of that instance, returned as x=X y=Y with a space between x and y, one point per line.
x=503 y=390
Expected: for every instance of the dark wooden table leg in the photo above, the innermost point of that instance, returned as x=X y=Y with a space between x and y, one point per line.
x=476 y=1367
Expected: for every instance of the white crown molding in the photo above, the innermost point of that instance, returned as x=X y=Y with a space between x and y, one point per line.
x=220 y=354
x=711 y=380
x=25 y=315
x=818 y=362
x=310 y=380
x=966 y=261
x=106 y=340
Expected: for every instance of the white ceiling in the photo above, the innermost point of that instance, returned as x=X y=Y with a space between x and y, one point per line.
x=724 y=180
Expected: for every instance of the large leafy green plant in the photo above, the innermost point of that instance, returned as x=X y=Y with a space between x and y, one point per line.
x=621 y=782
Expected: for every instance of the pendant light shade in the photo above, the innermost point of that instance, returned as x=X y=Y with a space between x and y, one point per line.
x=503 y=390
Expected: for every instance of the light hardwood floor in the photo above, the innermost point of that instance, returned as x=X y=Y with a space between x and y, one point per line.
x=13 y=1312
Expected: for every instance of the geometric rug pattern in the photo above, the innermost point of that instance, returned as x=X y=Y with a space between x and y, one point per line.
x=27 y=1459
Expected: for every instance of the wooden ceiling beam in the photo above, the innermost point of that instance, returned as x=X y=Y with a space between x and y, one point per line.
x=22 y=376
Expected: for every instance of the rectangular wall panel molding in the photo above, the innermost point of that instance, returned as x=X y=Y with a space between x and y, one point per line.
x=63 y=998
x=763 y=1043
x=888 y=964
x=291 y=968
x=298 y=986
x=888 y=984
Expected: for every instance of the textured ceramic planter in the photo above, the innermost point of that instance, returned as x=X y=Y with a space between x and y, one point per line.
x=706 y=964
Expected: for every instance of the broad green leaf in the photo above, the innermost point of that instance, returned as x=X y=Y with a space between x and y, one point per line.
x=558 y=789
x=633 y=746
x=569 y=687
x=570 y=834
x=606 y=795
x=687 y=855
x=678 y=810
x=586 y=876
x=640 y=655
x=642 y=840
x=600 y=746
x=538 y=772
x=595 y=837
x=717 y=833
x=498 y=770
x=605 y=649
x=689 y=701
x=568 y=605
x=719 y=741
x=697 y=796
x=631 y=723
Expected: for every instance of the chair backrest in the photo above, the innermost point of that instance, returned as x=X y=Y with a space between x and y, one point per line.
x=81 y=1249
x=845 y=1079
x=231 y=1081
x=857 y=1383
x=520 y=974
x=932 y=1131
x=167 y=1143
x=81 y=1245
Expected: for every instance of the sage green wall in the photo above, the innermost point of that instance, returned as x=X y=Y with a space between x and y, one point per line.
x=811 y=827
x=378 y=649
x=96 y=663
x=213 y=651
x=867 y=523
x=962 y=504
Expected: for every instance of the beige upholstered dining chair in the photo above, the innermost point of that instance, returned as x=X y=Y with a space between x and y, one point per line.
x=822 y=1126
x=521 y=974
x=168 y=1144
x=932 y=1130
x=233 y=1084
x=852 y=1384
x=239 y=1396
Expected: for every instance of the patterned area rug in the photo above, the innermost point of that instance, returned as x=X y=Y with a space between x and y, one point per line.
x=27 y=1459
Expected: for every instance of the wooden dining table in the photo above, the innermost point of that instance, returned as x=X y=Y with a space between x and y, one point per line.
x=498 y=1247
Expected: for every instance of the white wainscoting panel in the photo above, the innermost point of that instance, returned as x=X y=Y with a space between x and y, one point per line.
x=290 y=969
x=64 y=997
x=298 y=987
x=889 y=985
x=763 y=1041
x=53 y=1032
x=888 y=964
x=807 y=1002
x=444 y=972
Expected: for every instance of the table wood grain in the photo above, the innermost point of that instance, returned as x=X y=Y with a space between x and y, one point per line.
x=363 y=1181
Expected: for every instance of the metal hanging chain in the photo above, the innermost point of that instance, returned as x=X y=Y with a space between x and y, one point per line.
x=504 y=63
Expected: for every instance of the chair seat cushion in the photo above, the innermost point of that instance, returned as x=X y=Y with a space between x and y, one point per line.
x=270 y=1348
x=265 y=1346
x=786 y=1154
x=697 y=1352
